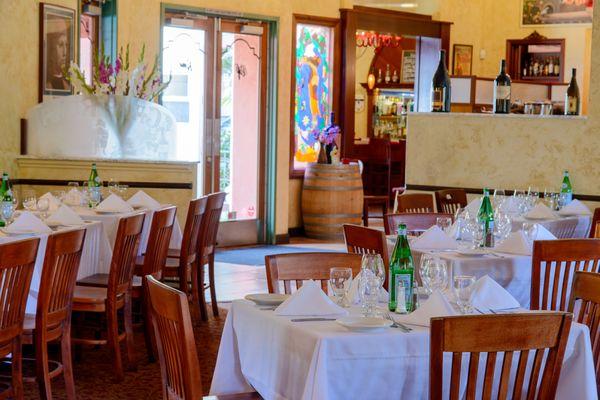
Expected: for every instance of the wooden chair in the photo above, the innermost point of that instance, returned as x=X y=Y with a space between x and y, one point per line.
x=206 y=250
x=17 y=260
x=299 y=267
x=563 y=228
x=179 y=366
x=415 y=203
x=116 y=296
x=450 y=200
x=585 y=306
x=595 y=227
x=492 y=334
x=370 y=200
x=361 y=240
x=553 y=266
x=185 y=267
x=52 y=320
x=415 y=223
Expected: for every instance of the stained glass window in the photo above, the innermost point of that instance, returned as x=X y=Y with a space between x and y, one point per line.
x=313 y=89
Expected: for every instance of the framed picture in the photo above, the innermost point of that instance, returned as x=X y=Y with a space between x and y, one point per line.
x=556 y=12
x=57 y=49
x=462 y=59
x=409 y=62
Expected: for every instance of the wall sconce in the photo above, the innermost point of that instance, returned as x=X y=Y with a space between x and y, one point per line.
x=371 y=80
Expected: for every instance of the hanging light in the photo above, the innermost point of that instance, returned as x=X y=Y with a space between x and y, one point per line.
x=371 y=80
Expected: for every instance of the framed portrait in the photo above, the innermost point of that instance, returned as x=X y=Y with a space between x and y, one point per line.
x=462 y=59
x=556 y=12
x=57 y=49
x=409 y=62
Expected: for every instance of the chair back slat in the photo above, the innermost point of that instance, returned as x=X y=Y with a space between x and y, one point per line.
x=362 y=240
x=415 y=203
x=191 y=231
x=450 y=200
x=59 y=275
x=585 y=306
x=158 y=241
x=595 y=227
x=180 y=369
x=210 y=224
x=563 y=228
x=496 y=337
x=553 y=266
x=17 y=260
x=125 y=252
x=298 y=267
x=415 y=223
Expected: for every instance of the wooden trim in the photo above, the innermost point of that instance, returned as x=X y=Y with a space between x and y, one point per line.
x=283 y=238
x=431 y=188
x=136 y=184
x=334 y=24
x=23 y=126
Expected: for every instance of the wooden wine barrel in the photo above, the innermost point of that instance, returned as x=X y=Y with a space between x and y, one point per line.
x=332 y=195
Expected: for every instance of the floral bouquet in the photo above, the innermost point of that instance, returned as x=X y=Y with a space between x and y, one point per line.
x=119 y=78
x=327 y=139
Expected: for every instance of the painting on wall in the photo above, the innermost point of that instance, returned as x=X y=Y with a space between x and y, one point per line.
x=57 y=49
x=462 y=59
x=553 y=12
x=409 y=62
x=313 y=90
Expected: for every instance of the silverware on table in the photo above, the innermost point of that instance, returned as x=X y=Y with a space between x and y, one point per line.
x=395 y=324
x=312 y=319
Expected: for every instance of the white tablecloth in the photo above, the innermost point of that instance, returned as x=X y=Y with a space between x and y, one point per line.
x=95 y=258
x=322 y=360
x=579 y=225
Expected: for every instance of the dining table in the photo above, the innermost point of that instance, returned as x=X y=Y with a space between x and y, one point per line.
x=282 y=359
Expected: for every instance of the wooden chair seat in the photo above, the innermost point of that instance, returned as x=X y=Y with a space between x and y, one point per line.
x=139 y=264
x=89 y=295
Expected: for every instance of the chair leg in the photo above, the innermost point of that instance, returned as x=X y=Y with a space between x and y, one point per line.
x=113 y=341
x=195 y=289
x=202 y=297
x=148 y=330
x=67 y=362
x=42 y=369
x=128 y=322
x=183 y=283
x=213 y=290
x=365 y=213
x=17 y=369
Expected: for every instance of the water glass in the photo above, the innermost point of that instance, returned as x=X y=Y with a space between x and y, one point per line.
x=426 y=259
x=502 y=225
x=59 y=194
x=113 y=186
x=94 y=196
x=368 y=290
x=43 y=205
x=374 y=263
x=340 y=280
x=530 y=229
x=123 y=189
x=29 y=200
x=437 y=274
x=463 y=290
x=444 y=223
x=7 y=209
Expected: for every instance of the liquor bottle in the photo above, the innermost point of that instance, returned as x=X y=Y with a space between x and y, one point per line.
x=530 y=68
x=572 y=96
x=566 y=190
x=525 y=69
x=557 y=67
x=379 y=78
x=401 y=272
x=536 y=68
x=388 y=76
x=545 y=71
x=502 y=91
x=395 y=77
x=485 y=217
x=440 y=87
x=551 y=66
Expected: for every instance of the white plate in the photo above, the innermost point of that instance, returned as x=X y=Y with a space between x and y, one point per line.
x=109 y=211
x=473 y=252
x=17 y=233
x=267 y=299
x=364 y=324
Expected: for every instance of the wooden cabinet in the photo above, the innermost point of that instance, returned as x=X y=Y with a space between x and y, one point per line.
x=536 y=59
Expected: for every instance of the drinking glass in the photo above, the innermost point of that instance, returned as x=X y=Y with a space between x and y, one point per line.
x=530 y=229
x=502 y=225
x=437 y=272
x=340 y=279
x=59 y=194
x=94 y=196
x=42 y=206
x=476 y=230
x=426 y=259
x=123 y=191
x=368 y=290
x=374 y=263
x=113 y=186
x=7 y=209
x=444 y=223
x=463 y=290
x=499 y=198
x=29 y=200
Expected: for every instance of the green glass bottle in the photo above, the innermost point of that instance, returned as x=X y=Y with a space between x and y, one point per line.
x=402 y=271
x=485 y=217
x=94 y=185
x=94 y=179
x=566 y=190
x=5 y=194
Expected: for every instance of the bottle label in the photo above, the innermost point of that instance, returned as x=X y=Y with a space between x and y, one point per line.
x=437 y=99
x=502 y=92
x=572 y=104
x=404 y=281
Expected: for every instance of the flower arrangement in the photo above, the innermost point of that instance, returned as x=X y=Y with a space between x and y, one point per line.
x=120 y=77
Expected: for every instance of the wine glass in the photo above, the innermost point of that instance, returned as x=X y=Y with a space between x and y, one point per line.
x=8 y=209
x=530 y=229
x=499 y=198
x=374 y=263
x=444 y=223
x=113 y=186
x=340 y=279
x=29 y=200
x=123 y=189
x=463 y=290
x=368 y=290
x=502 y=225
x=43 y=204
x=94 y=196
x=59 y=194
x=426 y=259
x=437 y=272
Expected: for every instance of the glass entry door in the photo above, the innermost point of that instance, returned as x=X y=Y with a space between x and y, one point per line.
x=218 y=96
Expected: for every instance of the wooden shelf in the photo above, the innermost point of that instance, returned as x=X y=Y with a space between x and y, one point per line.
x=396 y=86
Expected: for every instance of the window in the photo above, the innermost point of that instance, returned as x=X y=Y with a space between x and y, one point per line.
x=313 y=85
x=97 y=30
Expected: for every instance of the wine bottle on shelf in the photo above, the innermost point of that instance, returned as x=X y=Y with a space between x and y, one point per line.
x=395 y=77
x=440 y=88
x=502 y=91
x=572 y=96
x=557 y=67
x=388 y=77
x=379 y=78
x=551 y=66
x=401 y=274
x=525 y=69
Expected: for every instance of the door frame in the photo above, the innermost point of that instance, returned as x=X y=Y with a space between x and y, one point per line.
x=268 y=149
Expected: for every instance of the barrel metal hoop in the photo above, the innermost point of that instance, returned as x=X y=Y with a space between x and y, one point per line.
x=332 y=189
x=312 y=215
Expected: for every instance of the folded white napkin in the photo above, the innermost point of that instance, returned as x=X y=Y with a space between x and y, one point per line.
x=515 y=243
x=143 y=200
x=474 y=206
x=53 y=202
x=73 y=197
x=434 y=238
x=354 y=296
x=575 y=207
x=437 y=305
x=114 y=203
x=309 y=300
x=64 y=216
x=543 y=233
x=26 y=222
x=540 y=211
x=489 y=295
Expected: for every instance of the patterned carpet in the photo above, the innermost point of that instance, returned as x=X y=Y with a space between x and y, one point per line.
x=94 y=379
